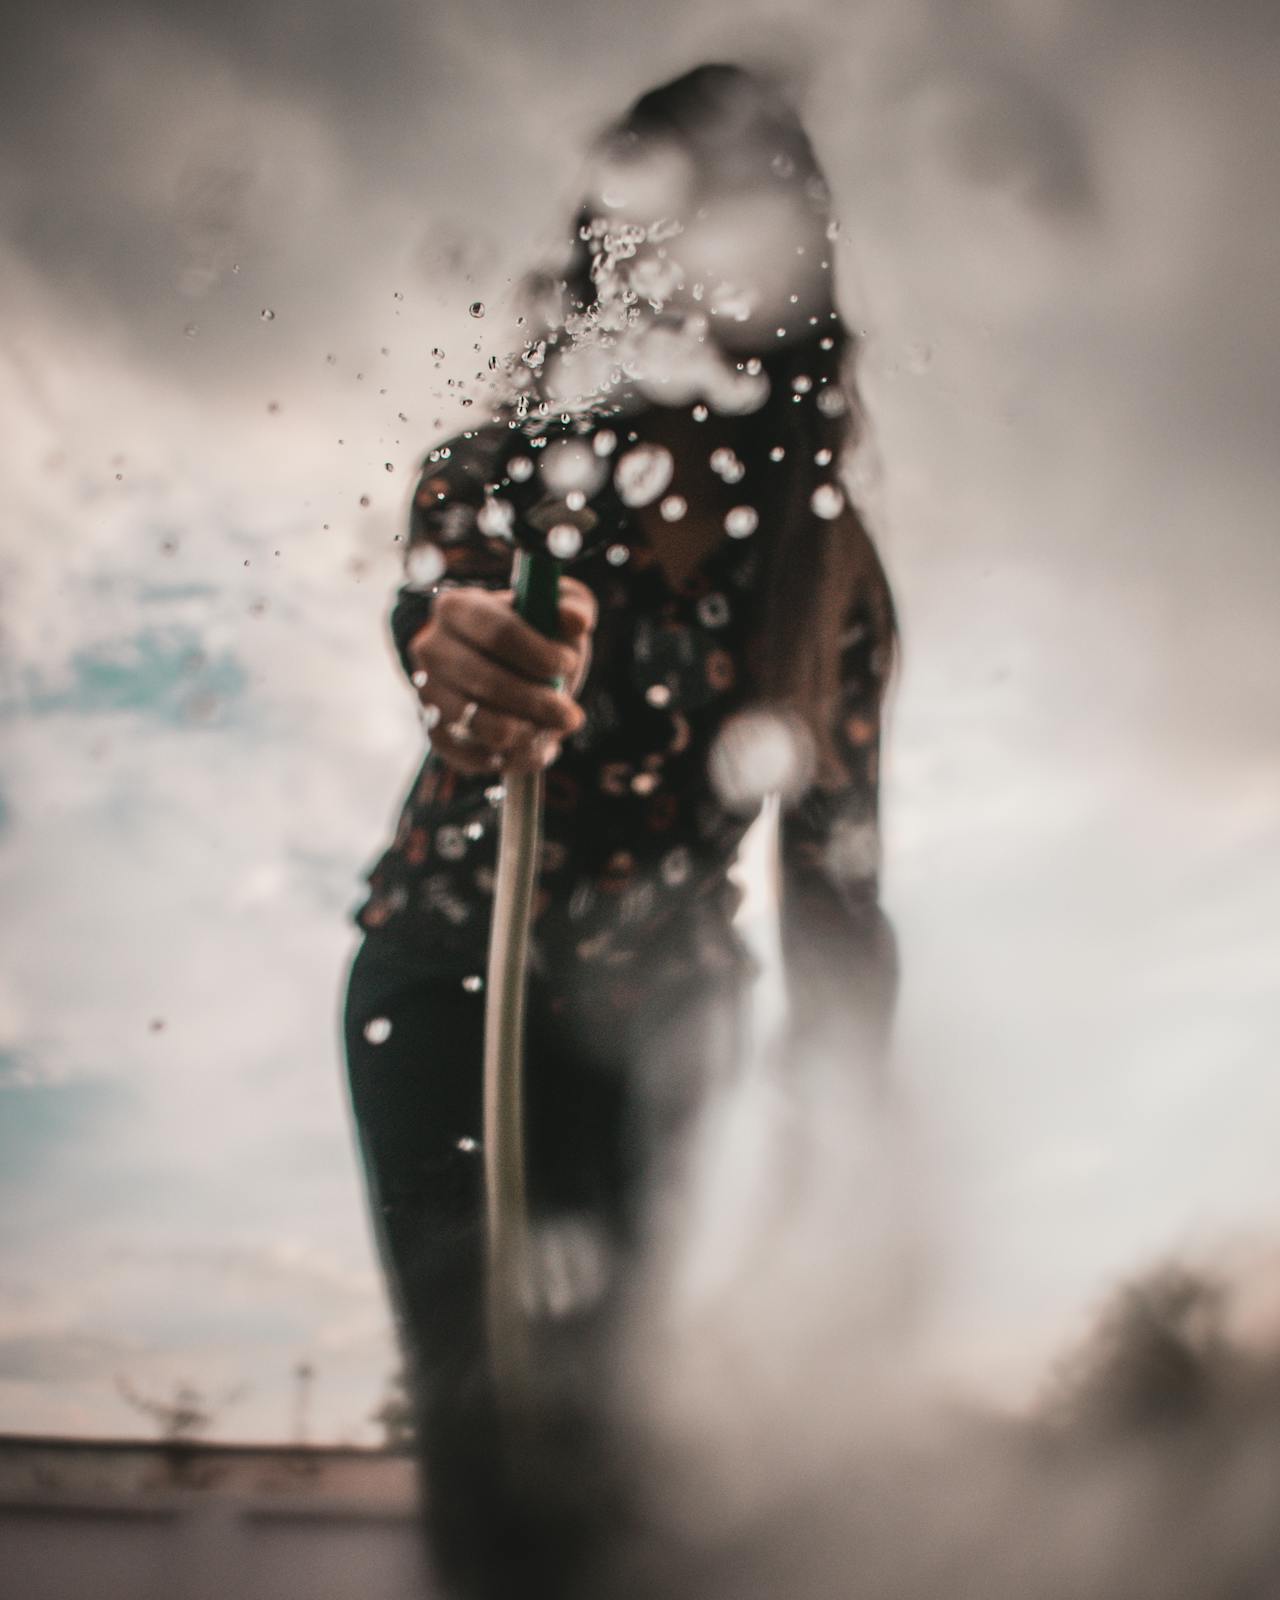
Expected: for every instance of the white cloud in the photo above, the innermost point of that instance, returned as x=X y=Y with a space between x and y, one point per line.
x=1079 y=811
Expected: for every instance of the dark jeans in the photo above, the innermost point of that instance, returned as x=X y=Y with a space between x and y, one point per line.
x=607 y=1108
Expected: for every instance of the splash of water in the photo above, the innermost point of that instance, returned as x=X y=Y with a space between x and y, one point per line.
x=642 y=474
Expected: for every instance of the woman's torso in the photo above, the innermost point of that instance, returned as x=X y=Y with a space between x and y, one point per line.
x=633 y=881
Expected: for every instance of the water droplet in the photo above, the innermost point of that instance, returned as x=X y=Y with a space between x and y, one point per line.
x=451 y=843
x=605 y=442
x=832 y=403
x=564 y=541
x=713 y=611
x=475 y=830
x=495 y=794
x=852 y=854
x=617 y=554
x=802 y=383
x=565 y=1269
x=364 y=500
x=822 y=457
x=571 y=464
x=476 y=308
x=783 y=166
x=496 y=518
x=741 y=521
x=419 y=678
x=389 y=466
x=424 y=565
x=725 y=464
x=756 y=753
x=833 y=230
x=191 y=330
x=826 y=342
x=673 y=508
x=827 y=501
x=468 y=1145
x=429 y=716
x=777 y=453
x=700 y=412
x=519 y=469
x=575 y=499
x=267 y=314
x=645 y=782
x=643 y=473
x=378 y=1030
x=675 y=867
x=658 y=694
x=473 y=984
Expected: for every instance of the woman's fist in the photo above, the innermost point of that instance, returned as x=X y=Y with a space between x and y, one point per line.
x=476 y=647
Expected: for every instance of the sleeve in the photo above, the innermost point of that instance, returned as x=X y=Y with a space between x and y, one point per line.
x=833 y=830
x=839 y=949
x=459 y=533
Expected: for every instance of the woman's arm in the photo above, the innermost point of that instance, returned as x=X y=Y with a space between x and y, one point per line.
x=838 y=946
x=447 y=542
x=457 y=634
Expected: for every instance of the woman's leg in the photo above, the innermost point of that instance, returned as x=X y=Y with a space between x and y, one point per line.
x=416 y=1097
x=605 y=1108
x=498 y=1523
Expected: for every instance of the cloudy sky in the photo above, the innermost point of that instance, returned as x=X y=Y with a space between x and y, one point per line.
x=1061 y=238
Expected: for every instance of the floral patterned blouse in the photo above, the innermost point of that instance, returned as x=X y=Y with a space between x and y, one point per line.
x=633 y=888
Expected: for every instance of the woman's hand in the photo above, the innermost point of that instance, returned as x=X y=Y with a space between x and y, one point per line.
x=477 y=647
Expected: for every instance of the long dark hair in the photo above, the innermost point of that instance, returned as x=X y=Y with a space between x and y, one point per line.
x=736 y=128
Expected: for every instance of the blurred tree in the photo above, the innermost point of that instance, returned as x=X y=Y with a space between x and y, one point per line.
x=186 y=1416
x=395 y=1415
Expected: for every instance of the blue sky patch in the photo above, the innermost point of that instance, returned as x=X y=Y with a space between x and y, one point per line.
x=41 y=1122
x=160 y=672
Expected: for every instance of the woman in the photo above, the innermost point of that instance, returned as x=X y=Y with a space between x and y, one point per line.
x=675 y=430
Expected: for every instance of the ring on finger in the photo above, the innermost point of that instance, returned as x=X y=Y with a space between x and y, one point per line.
x=460 y=728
